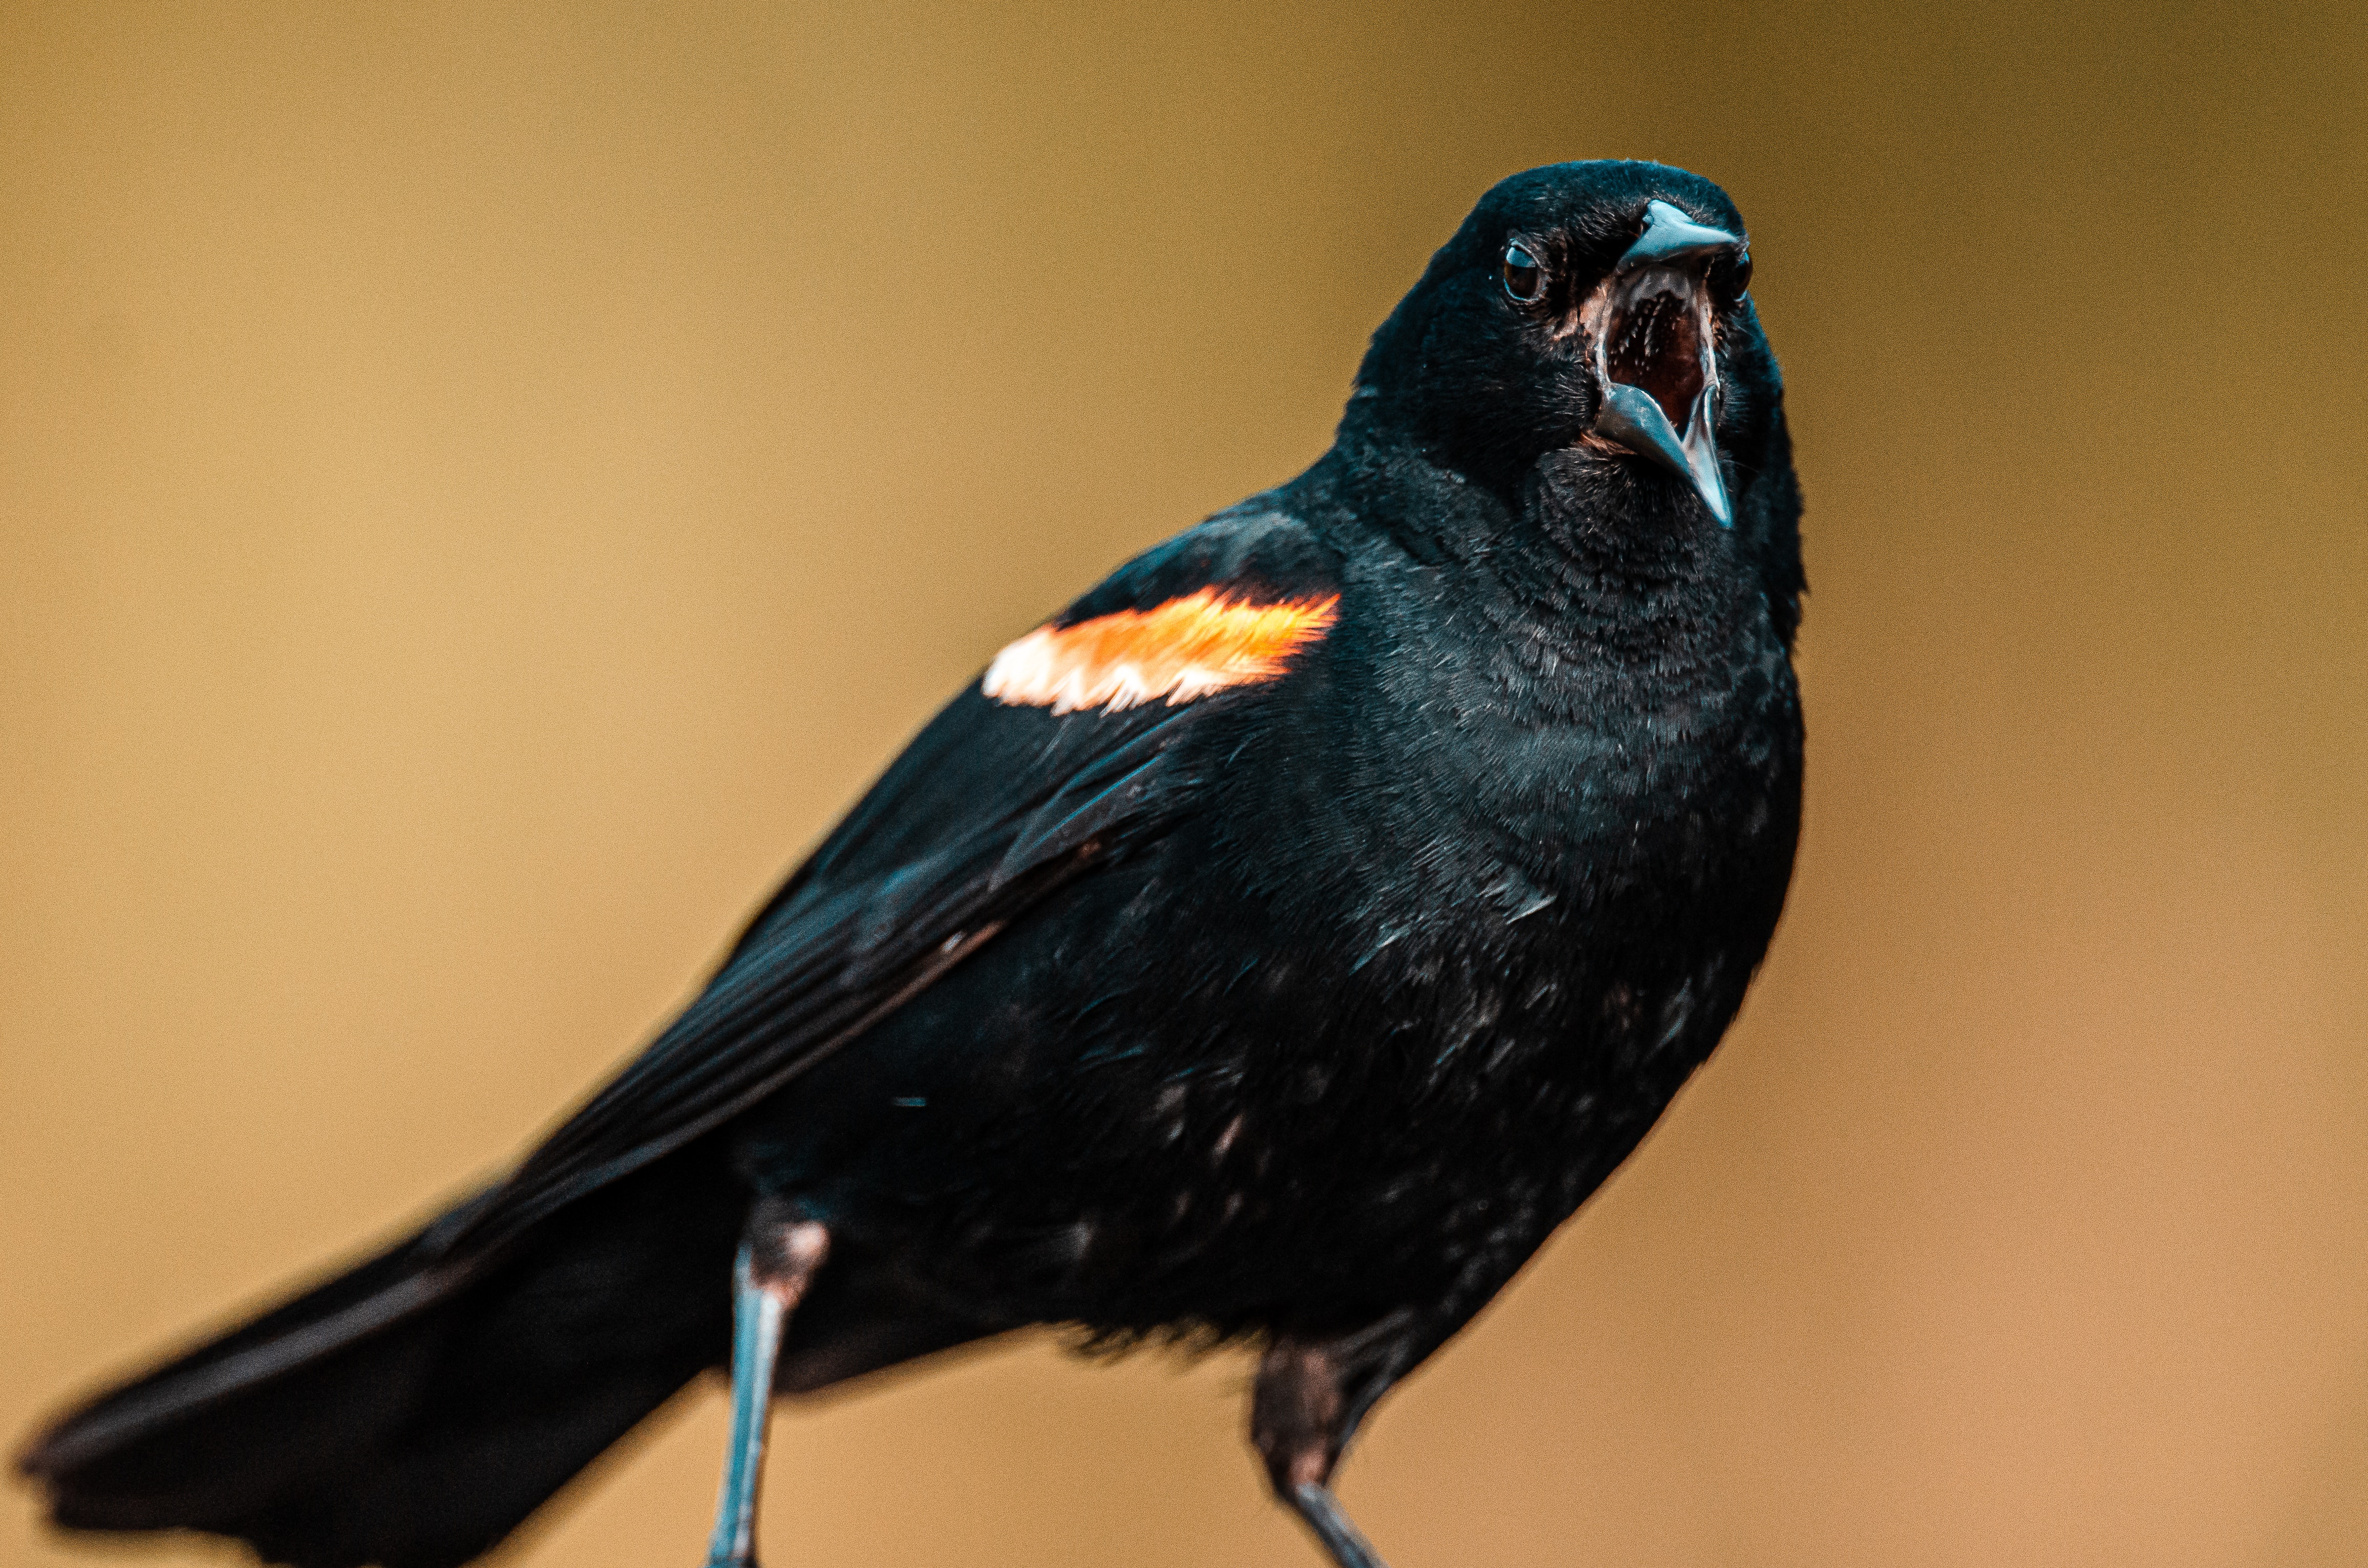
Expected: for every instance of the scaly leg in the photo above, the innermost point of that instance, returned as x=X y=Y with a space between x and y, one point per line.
x=778 y=1261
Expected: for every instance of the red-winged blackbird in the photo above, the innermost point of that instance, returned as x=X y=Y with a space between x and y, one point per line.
x=1276 y=944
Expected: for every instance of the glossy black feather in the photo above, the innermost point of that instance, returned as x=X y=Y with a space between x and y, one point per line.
x=1307 y=1008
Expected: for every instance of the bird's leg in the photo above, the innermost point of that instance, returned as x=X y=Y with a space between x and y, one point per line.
x=779 y=1256
x=1309 y=1398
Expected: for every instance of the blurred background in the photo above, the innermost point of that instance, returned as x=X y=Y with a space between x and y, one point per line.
x=482 y=485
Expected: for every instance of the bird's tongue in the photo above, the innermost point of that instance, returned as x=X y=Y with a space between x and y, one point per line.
x=1657 y=347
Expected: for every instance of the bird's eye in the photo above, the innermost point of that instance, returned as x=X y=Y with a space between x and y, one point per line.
x=1524 y=279
x=1731 y=279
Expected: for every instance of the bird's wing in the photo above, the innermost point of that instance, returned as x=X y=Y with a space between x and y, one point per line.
x=1077 y=743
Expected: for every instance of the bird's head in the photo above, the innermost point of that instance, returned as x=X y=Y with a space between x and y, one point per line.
x=1601 y=309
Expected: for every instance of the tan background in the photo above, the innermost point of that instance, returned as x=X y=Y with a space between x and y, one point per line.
x=482 y=485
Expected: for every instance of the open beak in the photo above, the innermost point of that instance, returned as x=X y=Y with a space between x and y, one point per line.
x=1650 y=323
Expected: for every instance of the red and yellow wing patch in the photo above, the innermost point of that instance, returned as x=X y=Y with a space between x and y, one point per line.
x=1181 y=651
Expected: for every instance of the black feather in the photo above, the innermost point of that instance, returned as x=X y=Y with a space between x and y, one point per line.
x=1305 y=1009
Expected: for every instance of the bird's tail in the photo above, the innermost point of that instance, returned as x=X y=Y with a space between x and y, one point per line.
x=413 y=1411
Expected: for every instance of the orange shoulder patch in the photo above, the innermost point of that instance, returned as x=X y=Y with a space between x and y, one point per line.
x=1181 y=651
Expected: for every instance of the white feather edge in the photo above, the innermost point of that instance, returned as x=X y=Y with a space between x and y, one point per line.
x=1031 y=672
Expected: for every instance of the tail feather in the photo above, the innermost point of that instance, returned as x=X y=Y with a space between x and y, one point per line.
x=414 y=1410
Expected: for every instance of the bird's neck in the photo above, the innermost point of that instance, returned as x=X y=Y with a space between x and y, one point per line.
x=1589 y=560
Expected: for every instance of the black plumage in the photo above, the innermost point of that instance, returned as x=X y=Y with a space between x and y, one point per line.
x=1298 y=1010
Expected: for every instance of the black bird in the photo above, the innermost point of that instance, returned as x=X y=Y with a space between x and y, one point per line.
x=1275 y=945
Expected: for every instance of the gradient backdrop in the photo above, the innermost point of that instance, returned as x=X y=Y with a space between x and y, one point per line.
x=483 y=486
